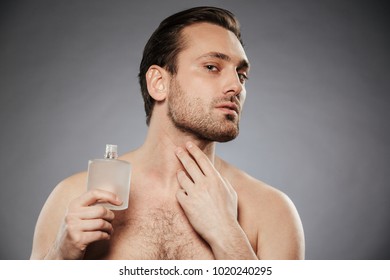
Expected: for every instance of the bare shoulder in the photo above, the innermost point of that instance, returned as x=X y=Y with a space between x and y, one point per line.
x=267 y=213
x=67 y=190
x=254 y=192
x=73 y=185
x=53 y=211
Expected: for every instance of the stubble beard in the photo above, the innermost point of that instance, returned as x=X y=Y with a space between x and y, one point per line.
x=192 y=117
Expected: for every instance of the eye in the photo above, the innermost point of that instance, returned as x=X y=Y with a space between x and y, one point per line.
x=243 y=78
x=211 y=68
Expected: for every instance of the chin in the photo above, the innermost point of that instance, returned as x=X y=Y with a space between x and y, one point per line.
x=227 y=138
x=214 y=129
x=221 y=136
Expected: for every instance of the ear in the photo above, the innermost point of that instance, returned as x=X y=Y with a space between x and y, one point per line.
x=157 y=82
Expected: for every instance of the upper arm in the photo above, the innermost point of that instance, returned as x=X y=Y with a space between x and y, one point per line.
x=52 y=214
x=281 y=235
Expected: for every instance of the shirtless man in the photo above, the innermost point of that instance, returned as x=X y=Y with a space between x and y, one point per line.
x=185 y=202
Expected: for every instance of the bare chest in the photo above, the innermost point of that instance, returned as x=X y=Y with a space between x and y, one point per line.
x=152 y=233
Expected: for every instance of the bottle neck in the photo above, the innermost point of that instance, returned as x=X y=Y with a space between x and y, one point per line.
x=110 y=156
x=111 y=152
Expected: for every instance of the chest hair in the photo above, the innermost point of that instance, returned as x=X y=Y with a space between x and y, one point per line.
x=158 y=233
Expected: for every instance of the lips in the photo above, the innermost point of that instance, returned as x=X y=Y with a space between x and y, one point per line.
x=229 y=107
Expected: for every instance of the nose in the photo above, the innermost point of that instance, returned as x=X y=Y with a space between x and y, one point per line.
x=233 y=85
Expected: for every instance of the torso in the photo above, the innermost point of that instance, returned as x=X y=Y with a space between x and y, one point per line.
x=155 y=227
x=157 y=233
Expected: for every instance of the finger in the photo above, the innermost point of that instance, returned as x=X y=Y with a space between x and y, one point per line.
x=184 y=181
x=97 y=195
x=97 y=212
x=96 y=225
x=92 y=236
x=201 y=159
x=189 y=164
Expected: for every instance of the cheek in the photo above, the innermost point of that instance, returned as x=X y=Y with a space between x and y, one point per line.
x=201 y=92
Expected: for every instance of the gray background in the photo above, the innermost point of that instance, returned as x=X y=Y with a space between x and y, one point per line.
x=315 y=123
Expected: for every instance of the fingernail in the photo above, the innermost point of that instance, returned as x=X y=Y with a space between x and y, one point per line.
x=189 y=145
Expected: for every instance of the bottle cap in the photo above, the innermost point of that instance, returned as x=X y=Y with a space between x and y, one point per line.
x=111 y=151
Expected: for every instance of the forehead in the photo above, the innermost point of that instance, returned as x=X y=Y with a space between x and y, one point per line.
x=202 y=38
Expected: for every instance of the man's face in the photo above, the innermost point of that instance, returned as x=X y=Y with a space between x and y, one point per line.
x=208 y=91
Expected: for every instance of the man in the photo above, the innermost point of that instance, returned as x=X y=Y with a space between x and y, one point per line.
x=185 y=202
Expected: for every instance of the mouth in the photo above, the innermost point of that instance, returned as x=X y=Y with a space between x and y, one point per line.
x=229 y=108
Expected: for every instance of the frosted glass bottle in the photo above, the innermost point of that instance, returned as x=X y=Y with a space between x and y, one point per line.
x=110 y=174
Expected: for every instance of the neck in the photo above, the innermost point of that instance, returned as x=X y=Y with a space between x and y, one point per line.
x=157 y=154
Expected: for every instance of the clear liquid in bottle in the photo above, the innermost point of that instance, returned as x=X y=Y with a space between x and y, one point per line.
x=110 y=174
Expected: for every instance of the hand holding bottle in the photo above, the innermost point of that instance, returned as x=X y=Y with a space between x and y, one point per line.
x=88 y=217
x=84 y=222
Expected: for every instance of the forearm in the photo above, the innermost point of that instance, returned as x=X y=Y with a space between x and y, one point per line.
x=54 y=253
x=232 y=244
x=51 y=254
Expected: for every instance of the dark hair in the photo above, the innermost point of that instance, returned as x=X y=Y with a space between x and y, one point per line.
x=166 y=43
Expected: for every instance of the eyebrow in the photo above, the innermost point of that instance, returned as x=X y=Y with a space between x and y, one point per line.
x=243 y=64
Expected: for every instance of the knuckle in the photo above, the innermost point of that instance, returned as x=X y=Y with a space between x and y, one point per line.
x=78 y=241
x=104 y=235
x=101 y=211
x=76 y=238
x=101 y=223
